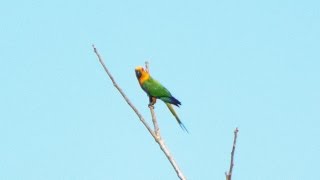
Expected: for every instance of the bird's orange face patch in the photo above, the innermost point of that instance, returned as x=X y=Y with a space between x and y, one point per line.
x=141 y=74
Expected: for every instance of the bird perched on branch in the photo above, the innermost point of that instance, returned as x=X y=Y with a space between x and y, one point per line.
x=155 y=91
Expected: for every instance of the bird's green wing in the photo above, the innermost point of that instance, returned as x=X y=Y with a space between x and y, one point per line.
x=153 y=88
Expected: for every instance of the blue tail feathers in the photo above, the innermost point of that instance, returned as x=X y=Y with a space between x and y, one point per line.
x=171 y=100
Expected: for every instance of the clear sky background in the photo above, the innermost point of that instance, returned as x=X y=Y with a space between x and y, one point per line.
x=248 y=64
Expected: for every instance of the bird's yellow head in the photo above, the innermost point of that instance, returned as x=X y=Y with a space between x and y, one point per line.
x=141 y=74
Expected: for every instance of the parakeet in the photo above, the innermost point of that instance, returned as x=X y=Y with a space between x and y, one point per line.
x=157 y=91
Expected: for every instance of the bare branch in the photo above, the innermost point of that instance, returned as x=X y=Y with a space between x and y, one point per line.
x=155 y=134
x=155 y=122
x=229 y=174
x=122 y=93
x=147 y=66
x=153 y=115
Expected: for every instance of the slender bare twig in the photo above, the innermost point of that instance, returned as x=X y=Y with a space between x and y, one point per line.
x=155 y=122
x=229 y=174
x=153 y=115
x=147 y=66
x=155 y=134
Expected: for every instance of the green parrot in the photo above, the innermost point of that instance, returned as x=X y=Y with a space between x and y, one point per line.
x=157 y=91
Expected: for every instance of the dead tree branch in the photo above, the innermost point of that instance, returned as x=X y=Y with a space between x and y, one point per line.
x=156 y=133
x=229 y=174
x=153 y=115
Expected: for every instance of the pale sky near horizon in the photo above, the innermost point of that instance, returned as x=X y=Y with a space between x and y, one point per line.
x=247 y=64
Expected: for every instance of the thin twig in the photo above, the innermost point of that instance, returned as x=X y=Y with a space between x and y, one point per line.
x=156 y=137
x=153 y=115
x=229 y=174
x=155 y=122
x=147 y=66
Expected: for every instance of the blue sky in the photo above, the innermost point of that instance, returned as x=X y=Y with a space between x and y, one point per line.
x=247 y=64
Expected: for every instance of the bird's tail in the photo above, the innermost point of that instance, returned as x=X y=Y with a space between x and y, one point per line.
x=171 y=100
x=176 y=116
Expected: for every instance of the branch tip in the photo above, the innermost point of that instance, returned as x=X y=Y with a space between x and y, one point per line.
x=147 y=66
x=229 y=174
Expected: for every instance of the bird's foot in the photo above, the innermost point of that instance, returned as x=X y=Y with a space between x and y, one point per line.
x=151 y=106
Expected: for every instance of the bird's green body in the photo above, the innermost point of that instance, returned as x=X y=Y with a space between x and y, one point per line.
x=154 y=89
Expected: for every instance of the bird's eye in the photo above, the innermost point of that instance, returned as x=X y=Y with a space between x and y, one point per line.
x=138 y=74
